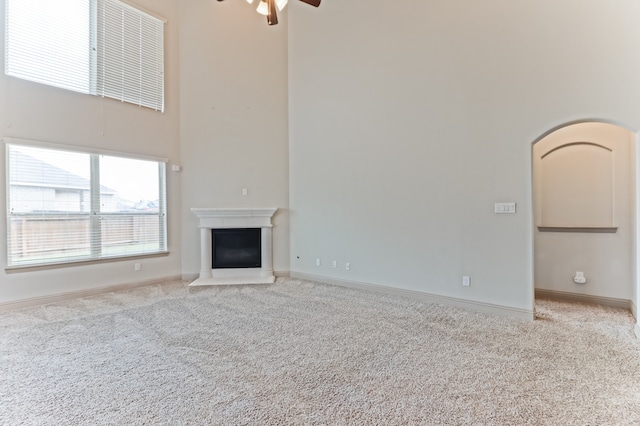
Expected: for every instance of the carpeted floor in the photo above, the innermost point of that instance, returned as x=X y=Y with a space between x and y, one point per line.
x=296 y=352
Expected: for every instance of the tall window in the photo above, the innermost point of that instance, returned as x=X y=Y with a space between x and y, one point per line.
x=99 y=47
x=66 y=206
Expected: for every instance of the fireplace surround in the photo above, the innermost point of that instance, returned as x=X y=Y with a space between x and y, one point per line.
x=238 y=218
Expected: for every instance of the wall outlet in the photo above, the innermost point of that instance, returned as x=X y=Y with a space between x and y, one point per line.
x=466 y=281
x=580 y=278
x=245 y=191
x=137 y=267
x=318 y=261
x=347 y=266
x=335 y=264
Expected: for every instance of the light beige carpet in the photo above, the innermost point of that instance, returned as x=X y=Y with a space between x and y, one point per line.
x=301 y=353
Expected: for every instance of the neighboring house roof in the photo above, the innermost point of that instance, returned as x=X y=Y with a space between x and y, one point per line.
x=28 y=171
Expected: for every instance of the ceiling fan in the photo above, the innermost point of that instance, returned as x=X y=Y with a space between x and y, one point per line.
x=268 y=8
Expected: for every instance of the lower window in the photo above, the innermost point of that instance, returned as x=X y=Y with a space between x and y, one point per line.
x=67 y=206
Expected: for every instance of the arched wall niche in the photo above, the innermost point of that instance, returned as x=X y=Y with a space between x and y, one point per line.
x=576 y=186
x=584 y=199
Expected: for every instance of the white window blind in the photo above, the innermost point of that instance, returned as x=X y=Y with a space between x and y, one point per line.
x=100 y=47
x=130 y=55
x=65 y=206
x=49 y=42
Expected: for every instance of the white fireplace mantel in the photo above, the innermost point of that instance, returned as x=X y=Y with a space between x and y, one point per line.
x=235 y=218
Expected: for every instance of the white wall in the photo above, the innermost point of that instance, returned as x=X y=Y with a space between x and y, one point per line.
x=37 y=112
x=605 y=258
x=635 y=298
x=409 y=120
x=233 y=118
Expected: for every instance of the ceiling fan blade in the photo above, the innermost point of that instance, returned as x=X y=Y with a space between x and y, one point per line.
x=314 y=3
x=272 y=17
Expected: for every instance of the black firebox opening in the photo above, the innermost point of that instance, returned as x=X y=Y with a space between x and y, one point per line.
x=236 y=248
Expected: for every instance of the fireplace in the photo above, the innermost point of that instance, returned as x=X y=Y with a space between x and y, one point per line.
x=235 y=246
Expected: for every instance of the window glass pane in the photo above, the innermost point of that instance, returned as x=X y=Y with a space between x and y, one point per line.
x=49 y=204
x=43 y=180
x=49 y=42
x=128 y=185
x=130 y=206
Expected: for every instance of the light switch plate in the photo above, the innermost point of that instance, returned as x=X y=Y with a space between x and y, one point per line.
x=505 y=208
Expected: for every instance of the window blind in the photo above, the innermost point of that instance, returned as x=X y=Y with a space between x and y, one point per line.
x=100 y=47
x=130 y=55
x=65 y=206
x=49 y=42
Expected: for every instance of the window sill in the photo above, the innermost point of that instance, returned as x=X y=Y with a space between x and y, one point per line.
x=29 y=268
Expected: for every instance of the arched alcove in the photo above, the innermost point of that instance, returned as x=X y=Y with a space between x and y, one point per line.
x=576 y=186
x=584 y=199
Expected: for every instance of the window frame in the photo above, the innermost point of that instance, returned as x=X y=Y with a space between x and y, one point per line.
x=94 y=214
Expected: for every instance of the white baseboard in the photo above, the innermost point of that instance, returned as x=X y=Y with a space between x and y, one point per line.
x=60 y=297
x=522 y=314
x=282 y=274
x=585 y=298
x=637 y=330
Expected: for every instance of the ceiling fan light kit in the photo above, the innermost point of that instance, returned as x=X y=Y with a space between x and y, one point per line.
x=268 y=8
x=263 y=8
